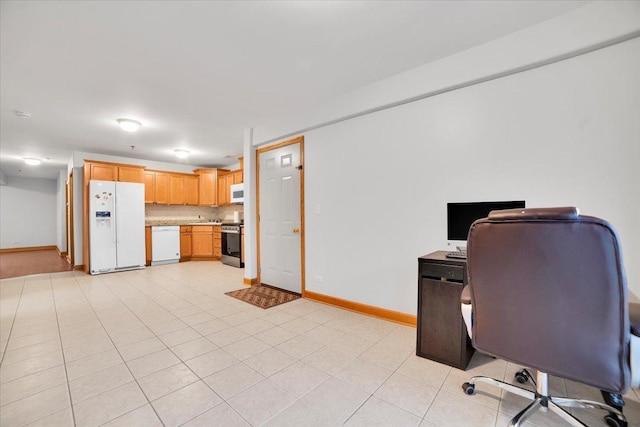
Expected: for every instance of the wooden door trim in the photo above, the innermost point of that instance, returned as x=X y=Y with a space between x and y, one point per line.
x=296 y=140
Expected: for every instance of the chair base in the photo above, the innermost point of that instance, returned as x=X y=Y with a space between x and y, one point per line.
x=541 y=400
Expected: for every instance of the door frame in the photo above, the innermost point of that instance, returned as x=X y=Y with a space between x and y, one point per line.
x=298 y=139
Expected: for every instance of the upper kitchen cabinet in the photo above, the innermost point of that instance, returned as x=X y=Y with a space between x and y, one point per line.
x=176 y=189
x=208 y=186
x=224 y=182
x=162 y=188
x=156 y=187
x=191 y=190
x=183 y=189
x=167 y=188
x=149 y=187
x=105 y=171
x=238 y=176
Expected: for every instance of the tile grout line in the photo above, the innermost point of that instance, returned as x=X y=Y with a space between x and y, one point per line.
x=64 y=361
x=119 y=354
x=181 y=361
x=13 y=321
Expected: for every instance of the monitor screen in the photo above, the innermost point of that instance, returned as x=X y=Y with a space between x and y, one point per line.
x=460 y=216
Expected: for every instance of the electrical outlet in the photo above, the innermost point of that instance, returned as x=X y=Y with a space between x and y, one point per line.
x=319 y=278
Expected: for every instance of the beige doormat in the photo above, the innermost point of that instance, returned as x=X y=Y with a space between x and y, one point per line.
x=264 y=296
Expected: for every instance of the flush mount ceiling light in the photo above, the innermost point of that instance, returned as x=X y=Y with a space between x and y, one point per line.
x=129 y=125
x=181 y=153
x=32 y=161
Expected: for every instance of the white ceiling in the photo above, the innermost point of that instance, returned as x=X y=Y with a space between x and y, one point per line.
x=196 y=74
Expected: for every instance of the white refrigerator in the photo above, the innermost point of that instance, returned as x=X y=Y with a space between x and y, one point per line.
x=116 y=226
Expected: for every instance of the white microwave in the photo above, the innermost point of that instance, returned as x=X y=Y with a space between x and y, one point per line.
x=237 y=193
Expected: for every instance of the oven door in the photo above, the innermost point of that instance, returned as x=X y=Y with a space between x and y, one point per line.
x=231 y=248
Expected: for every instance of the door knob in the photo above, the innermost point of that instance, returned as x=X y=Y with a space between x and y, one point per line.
x=296 y=230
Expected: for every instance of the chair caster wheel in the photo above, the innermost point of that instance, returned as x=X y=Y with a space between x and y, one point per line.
x=614 y=421
x=469 y=388
x=522 y=377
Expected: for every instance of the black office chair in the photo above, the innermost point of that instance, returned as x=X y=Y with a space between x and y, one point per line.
x=548 y=291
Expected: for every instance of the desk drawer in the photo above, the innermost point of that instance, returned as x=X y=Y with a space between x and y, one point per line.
x=445 y=271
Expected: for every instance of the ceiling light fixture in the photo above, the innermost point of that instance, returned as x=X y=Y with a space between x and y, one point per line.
x=181 y=153
x=129 y=125
x=32 y=161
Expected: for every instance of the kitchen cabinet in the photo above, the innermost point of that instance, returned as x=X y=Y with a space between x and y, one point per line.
x=208 y=186
x=238 y=177
x=105 y=171
x=168 y=188
x=162 y=188
x=202 y=241
x=217 y=241
x=185 y=242
x=223 y=189
x=176 y=189
x=191 y=190
x=224 y=186
x=147 y=245
x=130 y=173
x=149 y=187
x=242 y=245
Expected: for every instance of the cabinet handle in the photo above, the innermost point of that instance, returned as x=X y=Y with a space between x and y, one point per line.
x=296 y=230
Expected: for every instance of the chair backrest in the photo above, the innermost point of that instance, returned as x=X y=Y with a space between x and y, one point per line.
x=549 y=292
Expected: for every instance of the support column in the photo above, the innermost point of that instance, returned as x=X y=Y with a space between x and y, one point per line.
x=250 y=214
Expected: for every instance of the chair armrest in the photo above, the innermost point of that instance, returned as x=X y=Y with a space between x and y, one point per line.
x=634 y=318
x=465 y=298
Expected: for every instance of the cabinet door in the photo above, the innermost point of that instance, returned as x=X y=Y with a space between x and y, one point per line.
x=147 y=245
x=217 y=241
x=149 y=187
x=223 y=190
x=202 y=241
x=131 y=174
x=207 y=189
x=191 y=190
x=162 y=188
x=103 y=172
x=176 y=190
x=238 y=176
x=442 y=334
x=185 y=245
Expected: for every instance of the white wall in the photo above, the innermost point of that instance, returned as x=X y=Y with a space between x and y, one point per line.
x=563 y=134
x=28 y=213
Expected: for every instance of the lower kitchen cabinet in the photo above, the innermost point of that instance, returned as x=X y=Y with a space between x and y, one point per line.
x=185 y=242
x=147 y=245
x=202 y=241
x=217 y=241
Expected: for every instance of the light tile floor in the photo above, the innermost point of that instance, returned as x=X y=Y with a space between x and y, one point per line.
x=165 y=346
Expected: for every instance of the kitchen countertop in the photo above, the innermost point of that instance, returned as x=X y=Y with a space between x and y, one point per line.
x=156 y=222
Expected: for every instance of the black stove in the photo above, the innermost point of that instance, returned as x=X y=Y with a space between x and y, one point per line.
x=232 y=244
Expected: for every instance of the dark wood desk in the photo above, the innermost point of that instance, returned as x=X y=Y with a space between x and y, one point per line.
x=442 y=335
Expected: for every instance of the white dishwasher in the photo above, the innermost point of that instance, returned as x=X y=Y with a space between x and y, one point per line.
x=165 y=244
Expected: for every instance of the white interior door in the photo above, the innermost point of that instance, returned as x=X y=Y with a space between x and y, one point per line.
x=280 y=220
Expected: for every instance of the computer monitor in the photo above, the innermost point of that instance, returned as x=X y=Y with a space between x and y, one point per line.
x=460 y=216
